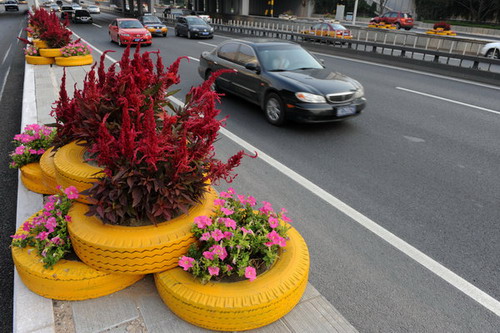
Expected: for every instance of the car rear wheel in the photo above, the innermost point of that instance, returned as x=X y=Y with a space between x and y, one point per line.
x=493 y=54
x=274 y=110
x=398 y=25
x=165 y=35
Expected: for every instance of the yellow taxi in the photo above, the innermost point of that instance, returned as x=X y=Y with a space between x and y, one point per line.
x=328 y=29
x=154 y=25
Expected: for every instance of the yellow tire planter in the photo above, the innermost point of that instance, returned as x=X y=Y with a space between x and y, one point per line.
x=32 y=178
x=72 y=169
x=50 y=53
x=242 y=305
x=75 y=60
x=134 y=250
x=38 y=60
x=68 y=280
x=48 y=169
x=40 y=44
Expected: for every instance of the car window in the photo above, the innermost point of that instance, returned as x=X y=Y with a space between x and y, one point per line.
x=246 y=55
x=150 y=19
x=316 y=27
x=406 y=15
x=394 y=15
x=228 y=51
x=338 y=27
x=285 y=57
x=130 y=24
x=195 y=21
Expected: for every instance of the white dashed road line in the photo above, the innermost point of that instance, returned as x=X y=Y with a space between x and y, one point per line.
x=96 y=25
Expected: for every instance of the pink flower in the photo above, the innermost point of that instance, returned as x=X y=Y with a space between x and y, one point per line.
x=71 y=192
x=229 y=268
x=57 y=240
x=251 y=200
x=250 y=273
x=231 y=191
x=19 y=150
x=51 y=224
x=217 y=235
x=213 y=270
x=229 y=223
x=227 y=211
x=205 y=236
x=219 y=202
x=273 y=222
x=202 y=221
x=266 y=207
x=49 y=205
x=209 y=255
x=67 y=218
x=19 y=236
x=246 y=231
x=242 y=198
x=224 y=195
x=275 y=239
x=186 y=262
x=42 y=236
x=228 y=234
x=40 y=151
x=33 y=151
x=219 y=250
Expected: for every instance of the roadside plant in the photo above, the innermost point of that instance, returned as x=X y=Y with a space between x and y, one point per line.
x=158 y=159
x=31 y=50
x=238 y=240
x=48 y=231
x=55 y=33
x=443 y=25
x=31 y=144
x=75 y=49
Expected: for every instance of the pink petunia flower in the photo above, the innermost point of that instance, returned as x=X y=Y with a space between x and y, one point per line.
x=273 y=222
x=42 y=236
x=202 y=221
x=246 y=231
x=228 y=234
x=213 y=270
x=19 y=150
x=219 y=250
x=51 y=224
x=71 y=192
x=227 y=211
x=251 y=200
x=275 y=239
x=49 y=205
x=229 y=268
x=224 y=195
x=205 y=236
x=217 y=235
x=186 y=262
x=229 y=223
x=266 y=207
x=219 y=202
x=209 y=255
x=250 y=273
x=19 y=236
x=57 y=240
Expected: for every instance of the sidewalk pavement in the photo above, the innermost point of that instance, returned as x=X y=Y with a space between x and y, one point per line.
x=139 y=307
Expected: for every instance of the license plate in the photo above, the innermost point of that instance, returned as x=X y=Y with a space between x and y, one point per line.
x=346 y=110
x=158 y=30
x=137 y=40
x=204 y=33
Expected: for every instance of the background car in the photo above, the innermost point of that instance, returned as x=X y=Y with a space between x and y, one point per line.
x=399 y=19
x=76 y=6
x=93 y=9
x=335 y=30
x=11 y=5
x=54 y=8
x=128 y=31
x=176 y=12
x=284 y=79
x=66 y=12
x=193 y=26
x=82 y=16
x=154 y=25
x=491 y=50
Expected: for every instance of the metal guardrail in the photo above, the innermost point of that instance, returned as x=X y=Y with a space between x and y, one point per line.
x=388 y=47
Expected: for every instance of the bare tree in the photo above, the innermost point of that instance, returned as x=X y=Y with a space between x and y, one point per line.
x=478 y=10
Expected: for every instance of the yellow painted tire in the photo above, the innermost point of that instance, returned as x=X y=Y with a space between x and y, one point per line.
x=239 y=305
x=40 y=44
x=68 y=280
x=72 y=170
x=32 y=178
x=75 y=60
x=134 y=250
x=38 y=60
x=48 y=169
x=50 y=53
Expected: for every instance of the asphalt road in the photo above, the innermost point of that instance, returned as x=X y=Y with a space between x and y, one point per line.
x=11 y=87
x=421 y=162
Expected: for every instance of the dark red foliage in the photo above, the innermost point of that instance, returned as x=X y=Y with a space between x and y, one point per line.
x=158 y=163
x=49 y=28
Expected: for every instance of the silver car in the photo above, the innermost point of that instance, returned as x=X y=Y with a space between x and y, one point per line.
x=491 y=50
x=93 y=9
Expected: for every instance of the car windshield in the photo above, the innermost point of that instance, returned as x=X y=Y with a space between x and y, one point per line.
x=130 y=24
x=286 y=58
x=151 y=19
x=338 y=27
x=195 y=20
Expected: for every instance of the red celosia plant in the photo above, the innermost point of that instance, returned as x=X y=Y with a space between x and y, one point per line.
x=54 y=32
x=445 y=26
x=157 y=164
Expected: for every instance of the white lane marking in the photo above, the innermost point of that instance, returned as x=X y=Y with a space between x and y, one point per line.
x=448 y=100
x=195 y=59
x=97 y=25
x=207 y=44
x=6 y=54
x=411 y=71
x=4 y=82
x=461 y=284
x=95 y=48
x=19 y=35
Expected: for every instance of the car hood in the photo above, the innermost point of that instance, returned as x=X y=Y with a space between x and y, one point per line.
x=134 y=31
x=154 y=24
x=320 y=81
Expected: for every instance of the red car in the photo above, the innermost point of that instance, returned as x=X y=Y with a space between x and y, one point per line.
x=399 y=19
x=129 y=31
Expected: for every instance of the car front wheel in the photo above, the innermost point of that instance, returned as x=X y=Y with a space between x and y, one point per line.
x=274 y=110
x=493 y=54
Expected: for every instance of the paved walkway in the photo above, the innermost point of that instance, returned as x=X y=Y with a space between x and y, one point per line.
x=139 y=307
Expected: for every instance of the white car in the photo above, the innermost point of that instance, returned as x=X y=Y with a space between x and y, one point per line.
x=76 y=6
x=93 y=9
x=491 y=50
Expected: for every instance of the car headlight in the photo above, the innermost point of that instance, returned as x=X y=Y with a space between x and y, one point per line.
x=148 y=34
x=125 y=35
x=194 y=29
x=359 y=93
x=310 y=98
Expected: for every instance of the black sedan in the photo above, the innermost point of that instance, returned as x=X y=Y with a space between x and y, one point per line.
x=285 y=80
x=193 y=26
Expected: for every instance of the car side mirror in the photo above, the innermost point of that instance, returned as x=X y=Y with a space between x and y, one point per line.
x=322 y=61
x=253 y=67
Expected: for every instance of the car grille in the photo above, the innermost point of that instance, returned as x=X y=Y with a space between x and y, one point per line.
x=138 y=35
x=340 y=97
